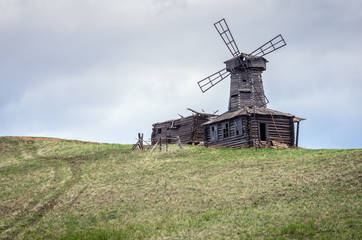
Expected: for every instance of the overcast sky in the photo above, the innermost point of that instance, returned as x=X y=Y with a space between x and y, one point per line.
x=104 y=70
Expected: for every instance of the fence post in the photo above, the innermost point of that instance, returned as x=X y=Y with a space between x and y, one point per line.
x=140 y=141
x=160 y=144
x=179 y=142
x=166 y=143
x=154 y=146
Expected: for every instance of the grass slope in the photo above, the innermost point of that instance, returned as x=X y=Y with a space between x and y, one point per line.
x=74 y=190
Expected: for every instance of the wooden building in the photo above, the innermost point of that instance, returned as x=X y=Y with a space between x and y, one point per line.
x=246 y=84
x=189 y=129
x=248 y=122
x=251 y=127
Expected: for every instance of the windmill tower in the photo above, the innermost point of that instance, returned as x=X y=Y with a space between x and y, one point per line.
x=245 y=70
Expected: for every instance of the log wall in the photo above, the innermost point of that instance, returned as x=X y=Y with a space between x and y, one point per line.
x=189 y=129
x=234 y=141
x=279 y=128
x=246 y=90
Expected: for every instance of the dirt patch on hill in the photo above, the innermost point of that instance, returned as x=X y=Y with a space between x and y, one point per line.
x=32 y=139
x=40 y=138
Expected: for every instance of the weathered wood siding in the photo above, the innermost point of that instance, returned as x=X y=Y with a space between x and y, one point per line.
x=234 y=141
x=246 y=89
x=279 y=128
x=189 y=130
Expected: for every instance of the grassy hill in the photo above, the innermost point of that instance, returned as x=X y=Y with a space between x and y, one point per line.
x=62 y=189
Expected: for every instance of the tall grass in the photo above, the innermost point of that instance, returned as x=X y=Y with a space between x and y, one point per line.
x=74 y=190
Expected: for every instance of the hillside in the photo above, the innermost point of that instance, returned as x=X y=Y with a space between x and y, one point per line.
x=63 y=189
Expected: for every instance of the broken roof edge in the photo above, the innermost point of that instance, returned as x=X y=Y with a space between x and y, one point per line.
x=298 y=119
x=247 y=57
x=195 y=114
x=246 y=111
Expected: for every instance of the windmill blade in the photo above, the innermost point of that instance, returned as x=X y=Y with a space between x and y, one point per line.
x=270 y=46
x=210 y=81
x=223 y=29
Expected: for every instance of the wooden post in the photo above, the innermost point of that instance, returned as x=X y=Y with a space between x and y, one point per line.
x=154 y=146
x=296 y=140
x=179 y=142
x=166 y=143
x=160 y=144
x=140 y=141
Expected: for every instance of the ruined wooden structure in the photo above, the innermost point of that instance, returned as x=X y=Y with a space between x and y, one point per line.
x=189 y=129
x=251 y=127
x=248 y=122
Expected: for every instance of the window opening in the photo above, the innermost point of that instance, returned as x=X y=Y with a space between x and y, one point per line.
x=159 y=131
x=213 y=132
x=225 y=130
x=238 y=127
x=262 y=131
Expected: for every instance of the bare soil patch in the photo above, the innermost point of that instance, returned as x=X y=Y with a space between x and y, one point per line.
x=40 y=138
x=54 y=140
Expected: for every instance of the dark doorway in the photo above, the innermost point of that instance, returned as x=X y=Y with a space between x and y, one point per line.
x=262 y=131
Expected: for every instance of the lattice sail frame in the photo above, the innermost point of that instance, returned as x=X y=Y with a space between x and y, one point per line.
x=210 y=81
x=225 y=33
x=269 y=47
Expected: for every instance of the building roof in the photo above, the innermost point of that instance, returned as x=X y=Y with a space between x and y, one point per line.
x=195 y=114
x=246 y=111
x=246 y=56
x=298 y=119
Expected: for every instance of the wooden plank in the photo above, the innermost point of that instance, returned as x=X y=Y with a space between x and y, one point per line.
x=189 y=129
x=280 y=128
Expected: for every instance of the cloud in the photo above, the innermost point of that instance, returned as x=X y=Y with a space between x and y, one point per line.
x=164 y=6
x=106 y=70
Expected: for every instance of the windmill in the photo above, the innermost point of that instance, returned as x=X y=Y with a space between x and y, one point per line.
x=246 y=85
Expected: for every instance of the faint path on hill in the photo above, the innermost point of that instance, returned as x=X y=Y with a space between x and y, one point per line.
x=26 y=217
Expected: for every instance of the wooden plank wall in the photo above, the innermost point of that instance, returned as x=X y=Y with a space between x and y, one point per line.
x=198 y=128
x=248 y=93
x=234 y=141
x=189 y=129
x=281 y=129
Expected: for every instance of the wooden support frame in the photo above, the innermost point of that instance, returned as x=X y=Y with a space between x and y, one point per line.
x=297 y=137
x=166 y=139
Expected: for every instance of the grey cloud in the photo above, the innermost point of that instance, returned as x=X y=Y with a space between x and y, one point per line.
x=105 y=70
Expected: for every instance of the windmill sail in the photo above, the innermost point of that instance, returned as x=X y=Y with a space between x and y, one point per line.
x=210 y=81
x=223 y=29
x=245 y=71
x=269 y=47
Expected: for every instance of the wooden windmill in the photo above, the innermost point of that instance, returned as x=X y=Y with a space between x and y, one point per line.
x=248 y=122
x=246 y=85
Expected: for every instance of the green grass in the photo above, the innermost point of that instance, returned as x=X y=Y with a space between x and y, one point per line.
x=76 y=190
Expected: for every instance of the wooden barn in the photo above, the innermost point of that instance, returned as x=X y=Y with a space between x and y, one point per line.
x=189 y=129
x=252 y=127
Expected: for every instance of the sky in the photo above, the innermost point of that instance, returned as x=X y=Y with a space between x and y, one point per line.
x=105 y=70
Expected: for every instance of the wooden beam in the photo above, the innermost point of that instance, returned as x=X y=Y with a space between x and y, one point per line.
x=296 y=140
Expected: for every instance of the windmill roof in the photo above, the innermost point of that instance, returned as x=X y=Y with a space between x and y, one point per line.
x=248 y=56
x=246 y=111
